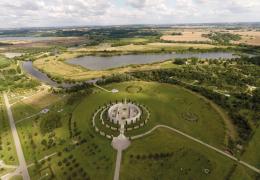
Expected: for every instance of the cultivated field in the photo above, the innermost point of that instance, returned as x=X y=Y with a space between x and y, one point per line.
x=249 y=37
x=186 y=36
x=148 y=47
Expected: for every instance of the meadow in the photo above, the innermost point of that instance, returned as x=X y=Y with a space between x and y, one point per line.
x=74 y=146
x=167 y=155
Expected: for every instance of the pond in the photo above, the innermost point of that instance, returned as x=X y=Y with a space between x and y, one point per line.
x=102 y=63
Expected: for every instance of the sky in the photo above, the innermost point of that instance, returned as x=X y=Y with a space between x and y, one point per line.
x=45 y=13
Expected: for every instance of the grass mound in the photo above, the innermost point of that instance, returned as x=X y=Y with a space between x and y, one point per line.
x=189 y=116
x=133 y=89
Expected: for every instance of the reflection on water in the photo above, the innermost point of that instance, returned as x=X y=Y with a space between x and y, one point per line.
x=100 y=63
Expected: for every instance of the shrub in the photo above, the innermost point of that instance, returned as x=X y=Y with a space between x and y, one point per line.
x=50 y=122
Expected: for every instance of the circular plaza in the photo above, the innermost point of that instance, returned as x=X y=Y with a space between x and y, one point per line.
x=124 y=113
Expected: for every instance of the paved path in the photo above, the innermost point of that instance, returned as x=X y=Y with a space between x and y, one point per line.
x=22 y=163
x=31 y=116
x=3 y=165
x=10 y=175
x=44 y=158
x=112 y=91
x=198 y=141
x=118 y=164
x=119 y=143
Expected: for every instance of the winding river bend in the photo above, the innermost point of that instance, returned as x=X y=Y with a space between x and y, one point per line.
x=30 y=69
x=42 y=77
x=101 y=63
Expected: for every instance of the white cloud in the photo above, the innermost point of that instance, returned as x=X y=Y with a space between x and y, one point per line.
x=21 y=13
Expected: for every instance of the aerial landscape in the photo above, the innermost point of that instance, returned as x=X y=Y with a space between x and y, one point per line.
x=129 y=90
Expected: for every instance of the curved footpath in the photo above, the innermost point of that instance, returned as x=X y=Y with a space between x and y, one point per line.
x=198 y=141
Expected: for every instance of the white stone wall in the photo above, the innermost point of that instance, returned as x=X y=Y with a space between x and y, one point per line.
x=115 y=113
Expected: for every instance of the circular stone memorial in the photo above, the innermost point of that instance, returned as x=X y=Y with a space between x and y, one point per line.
x=124 y=113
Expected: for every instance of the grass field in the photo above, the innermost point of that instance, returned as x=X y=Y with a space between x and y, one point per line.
x=7 y=148
x=59 y=153
x=252 y=150
x=17 y=177
x=76 y=150
x=3 y=61
x=32 y=104
x=167 y=104
x=188 y=160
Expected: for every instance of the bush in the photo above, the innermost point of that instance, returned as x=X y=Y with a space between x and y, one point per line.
x=50 y=122
x=179 y=61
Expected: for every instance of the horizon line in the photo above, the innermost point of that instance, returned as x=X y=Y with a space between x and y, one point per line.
x=141 y=24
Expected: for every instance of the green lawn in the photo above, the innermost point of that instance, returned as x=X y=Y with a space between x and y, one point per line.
x=7 y=148
x=167 y=104
x=92 y=156
x=17 y=177
x=242 y=173
x=186 y=159
x=81 y=152
x=4 y=62
x=22 y=110
x=134 y=40
x=251 y=154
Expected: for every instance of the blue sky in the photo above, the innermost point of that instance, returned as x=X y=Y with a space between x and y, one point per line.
x=35 y=13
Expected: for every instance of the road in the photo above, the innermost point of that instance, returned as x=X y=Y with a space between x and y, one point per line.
x=22 y=163
x=198 y=141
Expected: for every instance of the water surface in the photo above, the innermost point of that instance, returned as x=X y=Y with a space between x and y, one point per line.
x=102 y=63
x=28 y=67
x=42 y=77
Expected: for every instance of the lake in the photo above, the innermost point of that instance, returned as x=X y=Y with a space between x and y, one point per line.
x=102 y=63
